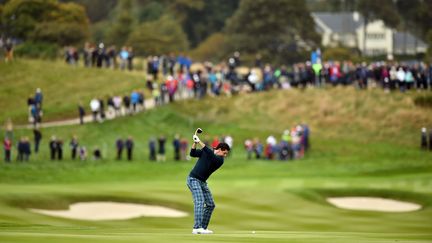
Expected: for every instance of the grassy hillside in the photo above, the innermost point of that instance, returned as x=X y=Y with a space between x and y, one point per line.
x=63 y=86
x=363 y=144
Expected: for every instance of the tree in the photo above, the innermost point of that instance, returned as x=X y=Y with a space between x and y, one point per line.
x=123 y=24
x=20 y=17
x=46 y=21
x=201 y=23
x=158 y=37
x=416 y=15
x=212 y=48
x=277 y=29
x=180 y=8
x=97 y=10
x=429 y=43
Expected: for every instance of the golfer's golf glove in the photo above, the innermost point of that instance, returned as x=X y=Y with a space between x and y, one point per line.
x=196 y=139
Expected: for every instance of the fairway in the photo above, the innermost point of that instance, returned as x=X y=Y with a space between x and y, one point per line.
x=215 y=121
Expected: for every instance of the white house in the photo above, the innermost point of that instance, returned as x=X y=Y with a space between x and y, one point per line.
x=346 y=29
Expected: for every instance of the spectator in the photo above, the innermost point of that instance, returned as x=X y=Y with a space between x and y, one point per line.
x=111 y=57
x=430 y=139
x=97 y=154
x=129 y=143
x=284 y=151
x=59 y=149
x=74 y=146
x=37 y=138
x=117 y=100
x=102 y=109
x=176 y=145
x=9 y=129
x=111 y=107
x=124 y=55
x=161 y=148
x=130 y=58
x=183 y=149
x=152 y=149
x=401 y=79
x=101 y=55
x=306 y=135
x=248 y=144
x=87 y=54
x=141 y=100
x=156 y=95
x=270 y=147
x=35 y=115
x=82 y=153
x=258 y=148
x=423 y=142
x=38 y=98
x=127 y=102
x=95 y=108
x=30 y=105
x=119 y=147
x=81 y=113
x=7 y=146
x=53 y=147
x=134 y=98
x=409 y=79
x=215 y=142
x=27 y=149
x=24 y=149
x=8 y=46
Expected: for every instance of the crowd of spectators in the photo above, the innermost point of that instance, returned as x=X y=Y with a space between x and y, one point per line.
x=293 y=144
x=156 y=148
x=101 y=56
x=170 y=77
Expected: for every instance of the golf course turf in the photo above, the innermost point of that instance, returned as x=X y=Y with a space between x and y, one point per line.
x=358 y=148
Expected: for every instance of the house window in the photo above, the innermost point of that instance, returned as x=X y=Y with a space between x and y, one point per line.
x=377 y=51
x=375 y=36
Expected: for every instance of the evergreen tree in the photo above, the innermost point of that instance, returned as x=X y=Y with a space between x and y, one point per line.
x=277 y=29
x=45 y=21
x=158 y=37
x=123 y=25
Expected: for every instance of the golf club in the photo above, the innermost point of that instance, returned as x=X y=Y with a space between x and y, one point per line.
x=198 y=131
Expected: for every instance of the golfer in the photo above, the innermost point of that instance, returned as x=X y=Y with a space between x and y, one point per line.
x=209 y=161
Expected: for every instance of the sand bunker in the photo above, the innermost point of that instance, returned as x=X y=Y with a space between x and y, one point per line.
x=373 y=204
x=111 y=211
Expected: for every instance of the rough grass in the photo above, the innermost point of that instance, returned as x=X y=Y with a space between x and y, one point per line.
x=63 y=87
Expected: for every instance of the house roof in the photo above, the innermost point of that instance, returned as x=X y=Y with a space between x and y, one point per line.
x=339 y=22
x=405 y=39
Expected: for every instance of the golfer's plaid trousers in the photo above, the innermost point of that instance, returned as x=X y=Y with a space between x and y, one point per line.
x=203 y=202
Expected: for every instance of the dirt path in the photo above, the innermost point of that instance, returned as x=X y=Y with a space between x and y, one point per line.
x=149 y=104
